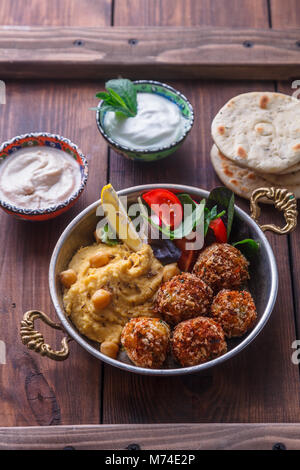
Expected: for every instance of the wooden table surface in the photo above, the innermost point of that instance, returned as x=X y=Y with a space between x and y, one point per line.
x=259 y=385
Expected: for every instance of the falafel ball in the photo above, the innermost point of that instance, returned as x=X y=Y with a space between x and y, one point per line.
x=182 y=297
x=146 y=341
x=222 y=266
x=235 y=311
x=198 y=340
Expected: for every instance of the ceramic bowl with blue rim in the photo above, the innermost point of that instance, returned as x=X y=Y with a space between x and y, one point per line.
x=44 y=139
x=153 y=154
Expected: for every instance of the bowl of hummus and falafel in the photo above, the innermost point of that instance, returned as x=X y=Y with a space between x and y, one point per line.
x=162 y=279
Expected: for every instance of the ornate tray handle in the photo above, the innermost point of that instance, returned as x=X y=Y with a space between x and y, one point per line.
x=284 y=201
x=34 y=340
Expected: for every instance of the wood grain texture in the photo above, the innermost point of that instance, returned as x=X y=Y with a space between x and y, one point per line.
x=194 y=52
x=288 y=18
x=35 y=390
x=153 y=437
x=261 y=384
x=285 y=14
x=55 y=12
x=230 y=13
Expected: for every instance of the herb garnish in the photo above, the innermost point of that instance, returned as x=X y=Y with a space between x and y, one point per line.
x=120 y=97
x=107 y=236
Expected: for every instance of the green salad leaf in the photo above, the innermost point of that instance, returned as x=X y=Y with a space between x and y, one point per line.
x=185 y=228
x=248 y=247
x=120 y=97
x=225 y=200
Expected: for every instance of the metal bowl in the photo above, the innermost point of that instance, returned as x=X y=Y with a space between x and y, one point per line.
x=263 y=283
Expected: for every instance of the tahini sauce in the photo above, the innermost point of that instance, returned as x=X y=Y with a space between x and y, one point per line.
x=37 y=178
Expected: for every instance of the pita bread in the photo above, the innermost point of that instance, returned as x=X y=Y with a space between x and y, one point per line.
x=242 y=181
x=260 y=131
x=289 y=179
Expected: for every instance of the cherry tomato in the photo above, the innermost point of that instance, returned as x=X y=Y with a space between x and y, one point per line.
x=166 y=206
x=219 y=230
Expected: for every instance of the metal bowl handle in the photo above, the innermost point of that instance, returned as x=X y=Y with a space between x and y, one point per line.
x=34 y=340
x=283 y=200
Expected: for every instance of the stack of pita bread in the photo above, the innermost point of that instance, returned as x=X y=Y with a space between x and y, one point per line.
x=257 y=143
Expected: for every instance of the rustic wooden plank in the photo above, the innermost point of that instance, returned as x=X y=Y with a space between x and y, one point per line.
x=261 y=384
x=55 y=12
x=231 y=13
x=153 y=437
x=167 y=52
x=36 y=390
x=286 y=17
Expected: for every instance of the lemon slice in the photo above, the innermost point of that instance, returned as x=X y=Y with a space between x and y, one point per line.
x=118 y=219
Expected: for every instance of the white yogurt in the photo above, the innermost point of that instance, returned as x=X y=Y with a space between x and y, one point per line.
x=158 y=123
x=37 y=178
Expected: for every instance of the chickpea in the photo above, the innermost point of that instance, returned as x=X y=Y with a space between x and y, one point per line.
x=99 y=259
x=110 y=349
x=101 y=298
x=170 y=270
x=68 y=277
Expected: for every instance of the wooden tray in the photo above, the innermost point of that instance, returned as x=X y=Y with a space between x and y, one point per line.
x=246 y=41
x=163 y=52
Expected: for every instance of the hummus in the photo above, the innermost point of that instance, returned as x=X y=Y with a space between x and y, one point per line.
x=132 y=278
x=38 y=178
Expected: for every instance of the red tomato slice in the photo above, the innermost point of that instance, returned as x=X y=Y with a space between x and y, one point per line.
x=166 y=206
x=219 y=230
x=188 y=257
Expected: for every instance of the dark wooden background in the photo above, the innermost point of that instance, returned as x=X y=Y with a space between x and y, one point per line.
x=261 y=384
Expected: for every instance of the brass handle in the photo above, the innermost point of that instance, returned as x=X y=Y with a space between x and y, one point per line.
x=34 y=340
x=284 y=201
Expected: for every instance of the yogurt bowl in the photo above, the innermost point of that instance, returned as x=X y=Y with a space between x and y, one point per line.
x=20 y=147
x=161 y=150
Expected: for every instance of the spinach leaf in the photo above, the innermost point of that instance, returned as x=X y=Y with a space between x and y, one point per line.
x=225 y=200
x=186 y=199
x=248 y=247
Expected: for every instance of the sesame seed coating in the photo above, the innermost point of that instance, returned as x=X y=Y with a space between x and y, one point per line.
x=235 y=311
x=184 y=296
x=146 y=341
x=222 y=266
x=198 y=340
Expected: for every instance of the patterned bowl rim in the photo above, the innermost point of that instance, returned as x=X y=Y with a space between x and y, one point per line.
x=157 y=149
x=62 y=205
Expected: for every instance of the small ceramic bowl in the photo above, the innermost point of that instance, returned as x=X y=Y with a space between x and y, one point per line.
x=43 y=139
x=150 y=86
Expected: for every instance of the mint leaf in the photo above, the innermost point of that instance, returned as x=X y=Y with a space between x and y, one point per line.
x=127 y=92
x=121 y=97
